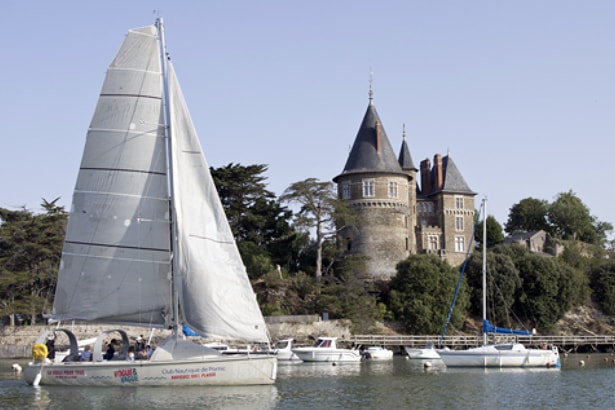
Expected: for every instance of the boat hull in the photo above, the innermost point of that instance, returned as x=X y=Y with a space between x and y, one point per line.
x=378 y=353
x=327 y=355
x=283 y=351
x=490 y=356
x=421 y=353
x=223 y=371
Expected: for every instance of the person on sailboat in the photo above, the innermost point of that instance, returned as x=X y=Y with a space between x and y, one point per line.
x=140 y=352
x=51 y=347
x=86 y=355
x=110 y=350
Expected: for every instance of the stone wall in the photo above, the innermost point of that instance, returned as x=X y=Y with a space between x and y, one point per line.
x=16 y=341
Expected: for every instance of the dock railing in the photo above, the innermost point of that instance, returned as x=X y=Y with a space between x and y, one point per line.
x=569 y=342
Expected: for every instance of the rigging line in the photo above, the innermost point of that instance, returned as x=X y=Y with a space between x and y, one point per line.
x=463 y=268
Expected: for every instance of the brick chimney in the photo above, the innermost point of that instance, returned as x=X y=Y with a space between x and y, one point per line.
x=425 y=177
x=438 y=173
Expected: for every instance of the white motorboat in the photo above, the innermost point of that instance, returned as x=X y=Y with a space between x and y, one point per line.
x=283 y=351
x=325 y=350
x=427 y=352
x=378 y=353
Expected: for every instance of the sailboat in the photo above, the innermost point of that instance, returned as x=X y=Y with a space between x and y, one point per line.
x=505 y=355
x=148 y=241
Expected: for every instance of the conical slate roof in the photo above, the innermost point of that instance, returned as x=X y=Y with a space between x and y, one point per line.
x=371 y=151
x=405 y=159
x=453 y=180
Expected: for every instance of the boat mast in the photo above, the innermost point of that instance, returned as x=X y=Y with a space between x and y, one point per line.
x=166 y=102
x=484 y=268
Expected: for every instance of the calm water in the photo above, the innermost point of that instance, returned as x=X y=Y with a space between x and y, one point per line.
x=399 y=384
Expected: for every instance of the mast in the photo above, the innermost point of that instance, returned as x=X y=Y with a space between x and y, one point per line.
x=484 y=268
x=166 y=102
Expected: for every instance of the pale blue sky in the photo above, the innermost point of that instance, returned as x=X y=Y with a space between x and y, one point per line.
x=521 y=92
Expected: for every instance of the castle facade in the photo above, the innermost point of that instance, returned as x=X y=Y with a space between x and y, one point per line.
x=397 y=216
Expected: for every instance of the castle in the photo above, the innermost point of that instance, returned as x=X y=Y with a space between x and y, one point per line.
x=395 y=216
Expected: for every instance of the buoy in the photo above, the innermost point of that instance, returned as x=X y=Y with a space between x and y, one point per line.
x=581 y=362
x=333 y=364
x=407 y=357
x=16 y=368
x=548 y=365
x=427 y=365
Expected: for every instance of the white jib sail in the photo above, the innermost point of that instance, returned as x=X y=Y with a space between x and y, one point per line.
x=216 y=297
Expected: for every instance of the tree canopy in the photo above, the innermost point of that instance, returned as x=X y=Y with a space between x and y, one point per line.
x=422 y=291
x=528 y=215
x=30 y=250
x=260 y=224
x=566 y=218
x=320 y=210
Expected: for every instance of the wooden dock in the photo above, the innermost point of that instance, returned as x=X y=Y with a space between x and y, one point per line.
x=568 y=344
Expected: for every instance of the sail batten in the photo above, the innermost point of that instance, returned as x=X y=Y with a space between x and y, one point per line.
x=110 y=245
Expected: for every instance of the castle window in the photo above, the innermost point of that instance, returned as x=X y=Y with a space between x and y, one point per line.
x=346 y=190
x=433 y=242
x=425 y=207
x=459 y=223
x=459 y=202
x=392 y=189
x=369 y=188
x=460 y=244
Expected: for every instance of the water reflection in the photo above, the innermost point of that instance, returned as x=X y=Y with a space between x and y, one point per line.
x=324 y=369
x=399 y=383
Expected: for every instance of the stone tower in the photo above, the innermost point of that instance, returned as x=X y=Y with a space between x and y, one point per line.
x=396 y=216
x=378 y=189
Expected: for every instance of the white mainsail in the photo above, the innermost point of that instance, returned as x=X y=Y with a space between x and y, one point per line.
x=115 y=262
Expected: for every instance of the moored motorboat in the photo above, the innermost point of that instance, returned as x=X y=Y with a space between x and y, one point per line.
x=427 y=352
x=283 y=351
x=325 y=350
x=378 y=353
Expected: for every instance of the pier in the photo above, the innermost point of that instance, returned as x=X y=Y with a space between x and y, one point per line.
x=567 y=344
